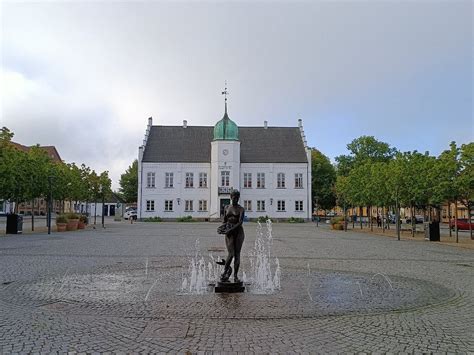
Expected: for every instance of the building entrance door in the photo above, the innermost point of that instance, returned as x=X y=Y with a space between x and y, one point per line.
x=224 y=202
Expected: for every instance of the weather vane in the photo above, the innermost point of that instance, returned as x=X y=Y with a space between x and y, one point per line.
x=225 y=93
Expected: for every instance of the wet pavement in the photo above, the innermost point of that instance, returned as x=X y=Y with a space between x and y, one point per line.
x=119 y=289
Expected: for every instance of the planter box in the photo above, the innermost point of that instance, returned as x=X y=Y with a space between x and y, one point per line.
x=61 y=227
x=72 y=224
x=81 y=225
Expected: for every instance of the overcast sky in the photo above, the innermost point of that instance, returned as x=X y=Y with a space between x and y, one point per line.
x=84 y=76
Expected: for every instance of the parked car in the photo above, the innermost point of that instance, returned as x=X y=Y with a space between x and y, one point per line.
x=132 y=213
x=418 y=219
x=463 y=224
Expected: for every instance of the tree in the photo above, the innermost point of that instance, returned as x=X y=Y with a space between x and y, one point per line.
x=36 y=169
x=448 y=171
x=323 y=178
x=363 y=152
x=14 y=183
x=5 y=136
x=367 y=148
x=129 y=182
x=466 y=179
x=363 y=149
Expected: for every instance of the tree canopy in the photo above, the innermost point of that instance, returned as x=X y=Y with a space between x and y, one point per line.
x=129 y=183
x=323 y=177
x=25 y=175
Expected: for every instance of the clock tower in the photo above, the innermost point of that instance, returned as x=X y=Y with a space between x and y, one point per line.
x=225 y=163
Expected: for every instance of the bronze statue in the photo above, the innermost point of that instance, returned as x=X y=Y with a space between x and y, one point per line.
x=234 y=235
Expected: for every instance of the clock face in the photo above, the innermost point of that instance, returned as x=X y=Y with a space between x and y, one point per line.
x=225 y=152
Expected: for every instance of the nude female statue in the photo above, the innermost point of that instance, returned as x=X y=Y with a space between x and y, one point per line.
x=234 y=235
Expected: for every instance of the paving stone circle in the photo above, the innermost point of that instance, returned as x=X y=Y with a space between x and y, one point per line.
x=119 y=290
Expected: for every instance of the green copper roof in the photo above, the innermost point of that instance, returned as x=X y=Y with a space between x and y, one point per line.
x=226 y=129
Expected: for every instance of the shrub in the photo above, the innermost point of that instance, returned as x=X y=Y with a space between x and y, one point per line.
x=296 y=220
x=61 y=219
x=72 y=216
x=83 y=219
x=185 y=219
x=263 y=219
x=152 y=219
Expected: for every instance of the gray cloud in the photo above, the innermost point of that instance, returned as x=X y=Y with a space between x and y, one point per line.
x=85 y=76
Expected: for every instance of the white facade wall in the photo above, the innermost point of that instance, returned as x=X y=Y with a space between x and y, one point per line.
x=271 y=194
x=179 y=193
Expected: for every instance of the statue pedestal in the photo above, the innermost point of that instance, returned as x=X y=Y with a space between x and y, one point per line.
x=229 y=287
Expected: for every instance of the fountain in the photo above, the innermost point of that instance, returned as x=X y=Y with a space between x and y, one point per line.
x=198 y=279
x=263 y=278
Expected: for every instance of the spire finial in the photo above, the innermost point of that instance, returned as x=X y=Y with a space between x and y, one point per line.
x=225 y=93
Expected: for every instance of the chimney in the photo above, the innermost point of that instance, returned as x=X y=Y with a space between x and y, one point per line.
x=265 y=124
x=300 y=123
x=150 y=121
x=185 y=123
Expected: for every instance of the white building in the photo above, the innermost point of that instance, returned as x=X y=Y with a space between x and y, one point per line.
x=190 y=171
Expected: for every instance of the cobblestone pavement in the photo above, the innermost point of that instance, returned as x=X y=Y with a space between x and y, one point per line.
x=118 y=290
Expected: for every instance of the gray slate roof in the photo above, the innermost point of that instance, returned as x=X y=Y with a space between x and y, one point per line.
x=175 y=144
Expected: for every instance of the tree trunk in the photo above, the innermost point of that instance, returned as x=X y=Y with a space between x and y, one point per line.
x=383 y=221
x=387 y=218
x=345 y=219
x=353 y=218
x=33 y=215
x=469 y=218
x=449 y=219
x=456 y=220
x=360 y=216
x=95 y=213
x=397 y=220
x=370 y=219
x=413 y=221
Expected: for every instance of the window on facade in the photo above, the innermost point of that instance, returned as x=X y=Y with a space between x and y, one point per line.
x=150 y=205
x=169 y=180
x=281 y=181
x=298 y=205
x=150 y=180
x=189 y=180
x=202 y=179
x=260 y=180
x=261 y=205
x=188 y=205
x=168 y=205
x=225 y=178
x=247 y=180
x=202 y=205
x=298 y=181
x=281 y=205
x=248 y=205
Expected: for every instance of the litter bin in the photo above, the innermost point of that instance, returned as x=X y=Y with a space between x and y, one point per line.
x=14 y=224
x=432 y=231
